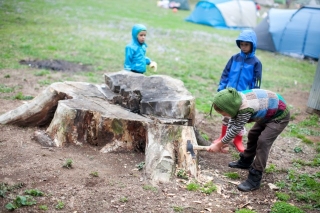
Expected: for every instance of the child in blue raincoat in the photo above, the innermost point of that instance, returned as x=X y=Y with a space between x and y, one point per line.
x=135 y=52
x=242 y=72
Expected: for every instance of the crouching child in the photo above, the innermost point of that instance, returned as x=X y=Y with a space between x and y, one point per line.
x=271 y=115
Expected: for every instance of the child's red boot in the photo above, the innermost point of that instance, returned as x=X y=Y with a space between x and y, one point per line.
x=223 y=133
x=238 y=143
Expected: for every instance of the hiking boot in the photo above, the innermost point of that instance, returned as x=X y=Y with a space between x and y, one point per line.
x=242 y=163
x=253 y=182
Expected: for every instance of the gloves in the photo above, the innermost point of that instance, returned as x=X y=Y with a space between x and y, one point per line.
x=153 y=65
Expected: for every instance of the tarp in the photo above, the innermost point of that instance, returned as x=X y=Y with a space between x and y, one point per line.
x=291 y=32
x=225 y=13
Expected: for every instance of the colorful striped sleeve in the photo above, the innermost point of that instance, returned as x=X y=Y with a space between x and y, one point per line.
x=235 y=125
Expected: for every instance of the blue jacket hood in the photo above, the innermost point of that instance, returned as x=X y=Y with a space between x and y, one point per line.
x=248 y=36
x=136 y=29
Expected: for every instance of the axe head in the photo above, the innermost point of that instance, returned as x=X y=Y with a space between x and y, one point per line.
x=190 y=149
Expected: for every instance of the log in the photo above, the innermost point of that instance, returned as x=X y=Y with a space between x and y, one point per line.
x=96 y=122
x=131 y=112
x=161 y=95
x=167 y=150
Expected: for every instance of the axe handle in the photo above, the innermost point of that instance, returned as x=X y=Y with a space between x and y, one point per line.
x=195 y=147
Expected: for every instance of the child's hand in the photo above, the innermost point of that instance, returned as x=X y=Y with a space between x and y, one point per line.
x=153 y=65
x=218 y=146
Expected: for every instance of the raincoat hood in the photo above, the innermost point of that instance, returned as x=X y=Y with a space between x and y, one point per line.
x=248 y=36
x=136 y=29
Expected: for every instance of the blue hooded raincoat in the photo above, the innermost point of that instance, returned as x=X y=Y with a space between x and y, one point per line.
x=135 y=52
x=243 y=71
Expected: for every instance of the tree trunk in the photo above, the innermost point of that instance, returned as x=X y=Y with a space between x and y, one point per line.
x=131 y=112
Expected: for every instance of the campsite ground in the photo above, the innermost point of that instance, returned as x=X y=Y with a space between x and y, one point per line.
x=112 y=183
x=95 y=33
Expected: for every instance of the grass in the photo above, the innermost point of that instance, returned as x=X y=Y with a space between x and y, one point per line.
x=206 y=188
x=95 y=33
x=232 y=175
x=150 y=188
x=282 y=207
x=196 y=54
x=68 y=163
x=182 y=174
x=94 y=174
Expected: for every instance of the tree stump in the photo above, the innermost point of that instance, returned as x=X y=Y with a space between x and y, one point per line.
x=131 y=112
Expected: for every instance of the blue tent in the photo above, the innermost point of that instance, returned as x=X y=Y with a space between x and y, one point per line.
x=291 y=32
x=224 y=13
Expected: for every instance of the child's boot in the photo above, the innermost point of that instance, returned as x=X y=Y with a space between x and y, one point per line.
x=223 y=133
x=253 y=181
x=238 y=143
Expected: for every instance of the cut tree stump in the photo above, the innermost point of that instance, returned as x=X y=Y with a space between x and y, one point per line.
x=131 y=112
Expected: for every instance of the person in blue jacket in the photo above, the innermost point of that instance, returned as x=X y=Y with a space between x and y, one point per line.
x=135 y=52
x=242 y=72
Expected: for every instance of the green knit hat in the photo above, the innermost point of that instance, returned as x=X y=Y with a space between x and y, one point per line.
x=229 y=101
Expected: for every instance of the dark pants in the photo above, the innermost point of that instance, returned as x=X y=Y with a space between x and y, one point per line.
x=260 y=139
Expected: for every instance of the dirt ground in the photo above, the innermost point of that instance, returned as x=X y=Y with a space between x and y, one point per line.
x=120 y=186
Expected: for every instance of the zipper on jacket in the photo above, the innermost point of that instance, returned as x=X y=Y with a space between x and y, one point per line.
x=240 y=72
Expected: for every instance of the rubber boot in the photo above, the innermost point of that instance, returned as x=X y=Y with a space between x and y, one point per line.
x=223 y=133
x=242 y=163
x=238 y=143
x=253 y=182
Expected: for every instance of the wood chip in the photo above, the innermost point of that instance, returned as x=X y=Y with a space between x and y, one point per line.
x=242 y=206
x=273 y=187
x=234 y=182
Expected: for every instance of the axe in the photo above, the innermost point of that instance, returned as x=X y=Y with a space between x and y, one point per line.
x=191 y=148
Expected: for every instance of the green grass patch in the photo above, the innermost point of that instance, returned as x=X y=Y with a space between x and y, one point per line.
x=245 y=211
x=41 y=73
x=20 y=201
x=282 y=207
x=5 y=89
x=43 y=207
x=123 y=199
x=282 y=196
x=20 y=96
x=60 y=205
x=208 y=188
x=271 y=169
x=34 y=192
x=314 y=163
x=178 y=208
x=94 y=174
x=193 y=53
x=150 y=188
x=304 y=188
x=232 y=175
x=68 y=163
x=182 y=174
x=193 y=186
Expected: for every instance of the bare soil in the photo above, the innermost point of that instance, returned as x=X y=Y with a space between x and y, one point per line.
x=120 y=186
